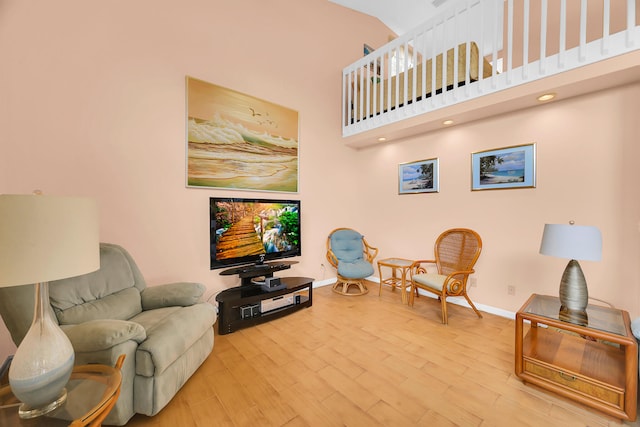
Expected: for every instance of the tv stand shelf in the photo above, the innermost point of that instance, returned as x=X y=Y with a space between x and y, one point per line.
x=249 y=305
x=248 y=272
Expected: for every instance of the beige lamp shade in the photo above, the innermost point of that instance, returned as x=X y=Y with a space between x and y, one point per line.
x=579 y=242
x=45 y=238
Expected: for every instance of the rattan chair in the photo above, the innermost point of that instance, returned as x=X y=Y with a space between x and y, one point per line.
x=456 y=252
x=349 y=253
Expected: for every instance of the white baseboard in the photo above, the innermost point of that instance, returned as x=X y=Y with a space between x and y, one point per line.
x=454 y=300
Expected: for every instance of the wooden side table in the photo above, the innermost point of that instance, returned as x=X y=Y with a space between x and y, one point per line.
x=396 y=280
x=595 y=363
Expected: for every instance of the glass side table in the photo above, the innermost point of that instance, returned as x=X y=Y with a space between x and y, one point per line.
x=397 y=279
x=92 y=391
x=592 y=359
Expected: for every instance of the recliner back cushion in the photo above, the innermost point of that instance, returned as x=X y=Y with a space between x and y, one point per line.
x=347 y=245
x=108 y=293
x=122 y=305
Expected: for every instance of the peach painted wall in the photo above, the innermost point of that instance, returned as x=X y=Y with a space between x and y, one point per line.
x=586 y=150
x=92 y=104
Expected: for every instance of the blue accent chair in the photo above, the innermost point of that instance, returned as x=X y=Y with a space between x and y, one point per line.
x=349 y=252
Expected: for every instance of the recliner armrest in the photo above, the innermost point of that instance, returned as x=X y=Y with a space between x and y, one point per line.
x=181 y=294
x=96 y=335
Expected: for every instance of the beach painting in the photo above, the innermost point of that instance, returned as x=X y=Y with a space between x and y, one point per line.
x=509 y=167
x=421 y=176
x=236 y=141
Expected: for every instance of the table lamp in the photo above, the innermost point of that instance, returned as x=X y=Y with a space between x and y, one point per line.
x=44 y=238
x=575 y=242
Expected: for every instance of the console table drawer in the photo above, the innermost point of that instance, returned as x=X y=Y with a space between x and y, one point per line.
x=610 y=395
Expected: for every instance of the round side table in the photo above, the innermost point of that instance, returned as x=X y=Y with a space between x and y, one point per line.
x=92 y=391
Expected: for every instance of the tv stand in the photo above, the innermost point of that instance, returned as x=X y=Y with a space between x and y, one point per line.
x=245 y=306
x=248 y=272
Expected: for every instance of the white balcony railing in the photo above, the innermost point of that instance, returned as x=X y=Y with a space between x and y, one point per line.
x=490 y=45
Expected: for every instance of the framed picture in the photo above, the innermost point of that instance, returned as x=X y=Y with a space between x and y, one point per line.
x=418 y=177
x=509 y=167
x=236 y=141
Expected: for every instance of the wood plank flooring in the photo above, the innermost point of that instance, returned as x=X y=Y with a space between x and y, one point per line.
x=368 y=361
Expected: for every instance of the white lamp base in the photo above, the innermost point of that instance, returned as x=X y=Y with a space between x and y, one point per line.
x=43 y=361
x=25 y=411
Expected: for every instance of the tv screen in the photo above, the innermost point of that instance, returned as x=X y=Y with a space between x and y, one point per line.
x=247 y=231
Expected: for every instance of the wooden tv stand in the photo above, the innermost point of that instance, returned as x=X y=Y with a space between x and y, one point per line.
x=249 y=305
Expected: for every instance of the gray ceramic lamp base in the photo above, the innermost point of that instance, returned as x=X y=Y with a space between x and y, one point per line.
x=574 y=295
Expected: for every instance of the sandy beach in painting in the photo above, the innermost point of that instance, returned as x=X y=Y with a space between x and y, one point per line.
x=417 y=184
x=503 y=177
x=227 y=155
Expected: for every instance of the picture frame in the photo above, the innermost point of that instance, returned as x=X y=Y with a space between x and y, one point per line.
x=236 y=141
x=421 y=176
x=504 y=168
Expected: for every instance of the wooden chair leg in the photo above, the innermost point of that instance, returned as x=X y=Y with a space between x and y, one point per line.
x=443 y=302
x=472 y=305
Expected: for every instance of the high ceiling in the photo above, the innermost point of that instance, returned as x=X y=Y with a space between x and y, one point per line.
x=399 y=15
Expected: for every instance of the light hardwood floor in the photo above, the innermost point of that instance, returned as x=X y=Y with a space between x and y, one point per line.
x=368 y=361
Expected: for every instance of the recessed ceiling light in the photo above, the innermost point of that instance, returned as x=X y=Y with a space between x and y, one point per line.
x=546 y=97
x=382 y=139
x=447 y=122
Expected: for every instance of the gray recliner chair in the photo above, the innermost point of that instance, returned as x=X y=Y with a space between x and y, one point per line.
x=165 y=331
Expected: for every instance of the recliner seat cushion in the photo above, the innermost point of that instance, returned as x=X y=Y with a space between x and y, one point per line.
x=163 y=345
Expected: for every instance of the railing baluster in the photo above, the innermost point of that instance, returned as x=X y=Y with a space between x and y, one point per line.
x=525 y=40
x=498 y=29
x=510 y=41
x=480 y=49
x=563 y=33
x=631 y=19
x=606 y=17
x=583 y=31
x=543 y=37
x=414 y=71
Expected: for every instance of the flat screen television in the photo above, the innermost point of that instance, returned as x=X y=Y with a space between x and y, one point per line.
x=252 y=231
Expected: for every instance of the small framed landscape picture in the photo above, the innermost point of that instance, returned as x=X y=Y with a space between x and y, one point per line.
x=418 y=177
x=509 y=167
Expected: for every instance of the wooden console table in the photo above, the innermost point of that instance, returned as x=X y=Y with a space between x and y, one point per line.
x=595 y=363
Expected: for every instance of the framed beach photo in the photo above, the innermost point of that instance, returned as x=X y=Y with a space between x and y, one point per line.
x=502 y=168
x=418 y=177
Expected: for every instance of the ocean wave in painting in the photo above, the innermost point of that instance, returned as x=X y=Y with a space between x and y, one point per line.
x=226 y=154
x=221 y=131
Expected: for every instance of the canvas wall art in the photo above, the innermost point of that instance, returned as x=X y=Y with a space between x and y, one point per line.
x=237 y=141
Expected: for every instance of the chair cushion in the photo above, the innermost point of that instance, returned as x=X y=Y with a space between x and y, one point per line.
x=170 y=332
x=181 y=293
x=635 y=327
x=358 y=269
x=347 y=245
x=430 y=280
x=121 y=305
x=99 y=335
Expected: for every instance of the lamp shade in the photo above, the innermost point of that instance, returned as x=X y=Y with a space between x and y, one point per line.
x=45 y=238
x=579 y=242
